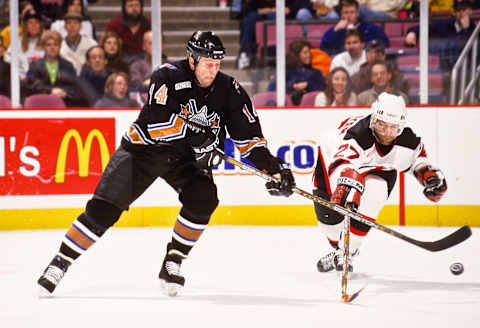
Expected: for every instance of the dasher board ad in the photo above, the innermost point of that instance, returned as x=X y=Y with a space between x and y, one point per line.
x=53 y=159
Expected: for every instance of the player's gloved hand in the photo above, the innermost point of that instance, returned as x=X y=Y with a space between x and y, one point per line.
x=350 y=186
x=433 y=180
x=207 y=152
x=286 y=181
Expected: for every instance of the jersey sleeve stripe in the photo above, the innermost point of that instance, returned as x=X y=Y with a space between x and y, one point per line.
x=246 y=146
x=174 y=129
x=136 y=136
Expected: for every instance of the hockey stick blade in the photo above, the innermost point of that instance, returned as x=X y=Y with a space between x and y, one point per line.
x=346 y=298
x=451 y=240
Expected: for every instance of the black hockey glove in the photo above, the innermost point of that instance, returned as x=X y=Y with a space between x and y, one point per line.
x=287 y=182
x=434 y=182
x=207 y=153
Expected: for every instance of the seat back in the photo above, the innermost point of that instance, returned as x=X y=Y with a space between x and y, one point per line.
x=5 y=102
x=44 y=100
x=308 y=99
x=269 y=98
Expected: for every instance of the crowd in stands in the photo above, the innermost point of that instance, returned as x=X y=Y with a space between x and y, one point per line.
x=360 y=46
x=61 y=55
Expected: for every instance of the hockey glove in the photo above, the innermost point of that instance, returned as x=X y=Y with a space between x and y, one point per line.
x=206 y=153
x=287 y=182
x=350 y=186
x=433 y=180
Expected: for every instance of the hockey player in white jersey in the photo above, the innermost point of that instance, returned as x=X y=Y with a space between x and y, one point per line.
x=359 y=167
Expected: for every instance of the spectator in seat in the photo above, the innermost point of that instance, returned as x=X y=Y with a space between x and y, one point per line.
x=49 y=10
x=447 y=37
x=339 y=90
x=380 y=77
x=112 y=44
x=301 y=77
x=265 y=10
x=94 y=73
x=76 y=6
x=74 y=46
x=4 y=73
x=53 y=74
x=354 y=56
x=116 y=92
x=369 y=9
x=130 y=27
x=333 y=41
x=30 y=47
x=23 y=7
x=141 y=69
x=375 y=51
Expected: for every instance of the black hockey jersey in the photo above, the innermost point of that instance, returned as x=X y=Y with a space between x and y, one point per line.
x=174 y=97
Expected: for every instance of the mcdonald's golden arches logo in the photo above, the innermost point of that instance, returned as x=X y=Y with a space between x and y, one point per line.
x=83 y=151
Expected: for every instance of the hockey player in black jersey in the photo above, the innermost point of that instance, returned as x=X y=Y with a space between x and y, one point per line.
x=162 y=143
x=358 y=168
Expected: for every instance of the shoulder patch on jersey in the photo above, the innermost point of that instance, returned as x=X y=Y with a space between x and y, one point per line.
x=408 y=139
x=361 y=133
x=169 y=66
x=183 y=85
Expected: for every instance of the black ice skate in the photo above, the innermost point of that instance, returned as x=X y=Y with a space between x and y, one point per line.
x=52 y=275
x=170 y=276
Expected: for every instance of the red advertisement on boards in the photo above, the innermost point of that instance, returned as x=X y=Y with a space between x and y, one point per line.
x=44 y=156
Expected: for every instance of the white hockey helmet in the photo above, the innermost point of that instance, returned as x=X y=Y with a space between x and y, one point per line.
x=389 y=108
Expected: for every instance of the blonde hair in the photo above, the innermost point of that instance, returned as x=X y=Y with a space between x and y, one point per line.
x=50 y=35
x=111 y=81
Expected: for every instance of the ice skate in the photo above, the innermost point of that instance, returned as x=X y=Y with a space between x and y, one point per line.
x=52 y=275
x=170 y=277
x=334 y=260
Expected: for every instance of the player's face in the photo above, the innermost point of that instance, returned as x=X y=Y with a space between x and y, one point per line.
x=339 y=81
x=305 y=56
x=350 y=14
x=385 y=132
x=206 y=71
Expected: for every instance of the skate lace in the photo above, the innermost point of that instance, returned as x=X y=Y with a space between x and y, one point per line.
x=54 y=274
x=173 y=268
x=327 y=260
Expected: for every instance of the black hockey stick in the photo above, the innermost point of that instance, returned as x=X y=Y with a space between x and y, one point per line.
x=434 y=246
x=453 y=239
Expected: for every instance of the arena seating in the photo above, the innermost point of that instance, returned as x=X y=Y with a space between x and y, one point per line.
x=44 y=100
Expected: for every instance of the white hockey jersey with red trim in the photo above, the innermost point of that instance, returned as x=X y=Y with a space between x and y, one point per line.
x=354 y=145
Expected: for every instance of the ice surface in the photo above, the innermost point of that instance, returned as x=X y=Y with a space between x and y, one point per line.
x=241 y=277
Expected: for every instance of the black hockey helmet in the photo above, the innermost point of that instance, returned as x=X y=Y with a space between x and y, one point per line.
x=205 y=44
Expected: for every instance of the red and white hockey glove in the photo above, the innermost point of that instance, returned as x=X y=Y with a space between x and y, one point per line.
x=433 y=180
x=350 y=186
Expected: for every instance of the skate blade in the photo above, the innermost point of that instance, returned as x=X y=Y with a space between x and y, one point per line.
x=170 y=289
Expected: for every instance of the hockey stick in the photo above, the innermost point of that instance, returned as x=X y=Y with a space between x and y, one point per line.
x=347 y=298
x=453 y=239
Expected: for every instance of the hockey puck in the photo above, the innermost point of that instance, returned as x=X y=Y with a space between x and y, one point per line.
x=456 y=268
